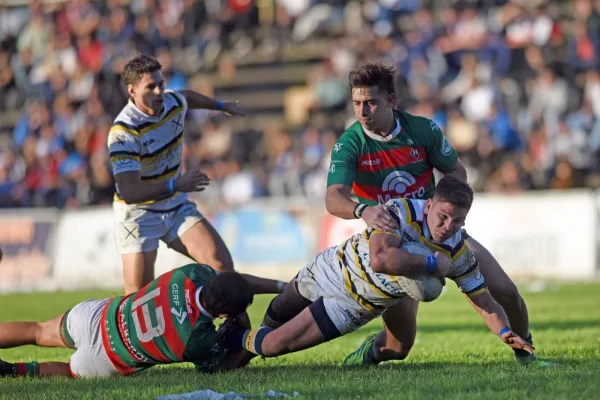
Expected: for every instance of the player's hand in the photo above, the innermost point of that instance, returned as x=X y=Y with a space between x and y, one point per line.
x=379 y=217
x=444 y=265
x=516 y=342
x=233 y=108
x=192 y=181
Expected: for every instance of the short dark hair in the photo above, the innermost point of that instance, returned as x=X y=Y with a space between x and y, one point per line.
x=138 y=66
x=373 y=74
x=454 y=191
x=228 y=293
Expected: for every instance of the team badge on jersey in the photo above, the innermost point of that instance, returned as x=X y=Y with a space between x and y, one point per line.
x=337 y=147
x=446 y=147
x=415 y=153
x=434 y=126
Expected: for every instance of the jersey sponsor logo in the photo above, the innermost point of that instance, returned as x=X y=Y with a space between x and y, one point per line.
x=188 y=301
x=332 y=168
x=356 y=321
x=434 y=126
x=337 y=147
x=179 y=313
x=371 y=162
x=446 y=147
x=397 y=183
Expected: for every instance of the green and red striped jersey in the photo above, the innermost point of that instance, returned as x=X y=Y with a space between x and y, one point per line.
x=163 y=323
x=398 y=165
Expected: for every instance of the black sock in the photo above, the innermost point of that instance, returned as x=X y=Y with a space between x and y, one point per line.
x=523 y=353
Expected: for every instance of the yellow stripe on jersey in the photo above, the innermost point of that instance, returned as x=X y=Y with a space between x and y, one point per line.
x=477 y=291
x=121 y=158
x=168 y=174
x=363 y=270
x=119 y=200
x=349 y=284
x=151 y=159
x=379 y=232
x=120 y=128
x=167 y=117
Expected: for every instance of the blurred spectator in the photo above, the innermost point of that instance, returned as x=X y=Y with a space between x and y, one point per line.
x=515 y=85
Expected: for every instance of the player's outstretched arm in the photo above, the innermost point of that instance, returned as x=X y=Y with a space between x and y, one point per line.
x=133 y=190
x=197 y=100
x=264 y=285
x=495 y=319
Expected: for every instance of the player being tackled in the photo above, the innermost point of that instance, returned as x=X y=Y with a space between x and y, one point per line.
x=170 y=320
x=347 y=286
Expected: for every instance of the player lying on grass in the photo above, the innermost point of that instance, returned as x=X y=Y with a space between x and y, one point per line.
x=347 y=286
x=170 y=320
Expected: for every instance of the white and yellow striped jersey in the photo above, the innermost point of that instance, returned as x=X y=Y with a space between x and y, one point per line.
x=150 y=144
x=377 y=291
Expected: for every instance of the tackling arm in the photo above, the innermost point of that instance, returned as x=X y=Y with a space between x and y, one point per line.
x=458 y=171
x=338 y=203
x=387 y=257
x=197 y=100
x=133 y=190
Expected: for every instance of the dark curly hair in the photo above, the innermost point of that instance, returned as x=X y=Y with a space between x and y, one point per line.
x=454 y=191
x=138 y=66
x=228 y=293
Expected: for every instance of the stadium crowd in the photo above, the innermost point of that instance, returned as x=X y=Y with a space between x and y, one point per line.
x=515 y=85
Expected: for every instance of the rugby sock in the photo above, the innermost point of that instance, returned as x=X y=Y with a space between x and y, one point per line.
x=30 y=369
x=523 y=353
x=253 y=339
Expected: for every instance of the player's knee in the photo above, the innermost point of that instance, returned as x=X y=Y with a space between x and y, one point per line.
x=275 y=315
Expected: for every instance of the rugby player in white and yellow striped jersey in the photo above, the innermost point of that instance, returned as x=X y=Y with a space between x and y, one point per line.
x=347 y=286
x=151 y=202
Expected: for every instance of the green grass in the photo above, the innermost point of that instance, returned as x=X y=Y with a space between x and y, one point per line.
x=455 y=357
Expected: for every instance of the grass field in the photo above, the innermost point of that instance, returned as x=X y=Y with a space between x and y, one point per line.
x=455 y=357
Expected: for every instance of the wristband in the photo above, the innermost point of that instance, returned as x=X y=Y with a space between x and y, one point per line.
x=171 y=185
x=503 y=331
x=219 y=105
x=432 y=264
x=359 y=209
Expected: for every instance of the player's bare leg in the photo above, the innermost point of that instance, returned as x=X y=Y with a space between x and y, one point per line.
x=395 y=341
x=43 y=334
x=302 y=332
x=282 y=309
x=138 y=270
x=203 y=243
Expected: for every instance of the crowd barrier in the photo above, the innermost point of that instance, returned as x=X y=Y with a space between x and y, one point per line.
x=536 y=235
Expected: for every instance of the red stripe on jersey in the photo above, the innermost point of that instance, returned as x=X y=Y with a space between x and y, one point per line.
x=121 y=367
x=171 y=336
x=393 y=158
x=190 y=301
x=371 y=192
x=366 y=191
x=150 y=347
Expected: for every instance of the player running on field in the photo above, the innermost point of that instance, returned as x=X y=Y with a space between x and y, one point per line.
x=389 y=154
x=347 y=286
x=169 y=321
x=151 y=201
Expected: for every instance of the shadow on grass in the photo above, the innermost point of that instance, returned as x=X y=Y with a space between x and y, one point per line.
x=420 y=380
x=479 y=326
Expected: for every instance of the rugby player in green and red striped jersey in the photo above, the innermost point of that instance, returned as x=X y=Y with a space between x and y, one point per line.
x=389 y=154
x=170 y=320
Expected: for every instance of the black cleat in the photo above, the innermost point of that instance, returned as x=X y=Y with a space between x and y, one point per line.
x=7 y=369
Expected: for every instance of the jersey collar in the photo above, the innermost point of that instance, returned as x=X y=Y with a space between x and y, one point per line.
x=387 y=138
x=159 y=116
x=202 y=309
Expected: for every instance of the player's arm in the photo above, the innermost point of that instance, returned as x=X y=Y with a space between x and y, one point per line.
x=342 y=172
x=197 y=100
x=132 y=189
x=495 y=319
x=263 y=285
x=442 y=156
x=470 y=281
x=387 y=257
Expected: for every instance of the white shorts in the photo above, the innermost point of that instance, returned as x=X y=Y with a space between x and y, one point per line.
x=324 y=278
x=81 y=330
x=138 y=230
